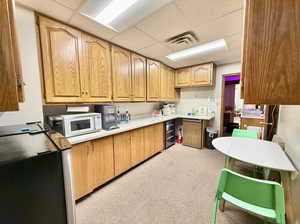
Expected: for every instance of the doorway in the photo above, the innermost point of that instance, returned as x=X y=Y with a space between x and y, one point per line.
x=231 y=104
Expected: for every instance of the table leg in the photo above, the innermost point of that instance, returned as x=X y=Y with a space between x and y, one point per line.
x=286 y=183
x=230 y=166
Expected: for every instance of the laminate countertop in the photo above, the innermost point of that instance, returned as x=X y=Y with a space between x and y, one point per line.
x=131 y=125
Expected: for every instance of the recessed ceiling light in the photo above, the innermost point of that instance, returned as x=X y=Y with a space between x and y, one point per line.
x=200 y=50
x=120 y=14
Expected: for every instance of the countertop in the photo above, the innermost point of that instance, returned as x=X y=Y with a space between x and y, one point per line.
x=133 y=124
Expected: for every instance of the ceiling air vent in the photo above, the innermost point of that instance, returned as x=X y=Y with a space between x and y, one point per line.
x=187 y=38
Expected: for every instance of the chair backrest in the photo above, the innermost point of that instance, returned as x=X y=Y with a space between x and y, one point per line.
x=267 y=194
x=244 y=133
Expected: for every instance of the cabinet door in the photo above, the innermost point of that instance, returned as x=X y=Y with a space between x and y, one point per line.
x=97 y=67
x=164 y=83
x=122 y=152
x=121 y=68
x=159 y=137
x=103 y=163
x=83 y=175
x=149 y=141
x=62 y=57
x=137 y=146
x=192 y=134
x=138 y=85
x=271 y=65
x=183 y=77
x=202 y=75
x=173 y=93
x=8 y=77
x=153 y=80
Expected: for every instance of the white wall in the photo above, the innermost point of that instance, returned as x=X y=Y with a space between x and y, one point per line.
x=289 y=131
x=31 y=109
x=195 y=97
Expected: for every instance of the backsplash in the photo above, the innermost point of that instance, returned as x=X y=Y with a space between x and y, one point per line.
x=137 y=110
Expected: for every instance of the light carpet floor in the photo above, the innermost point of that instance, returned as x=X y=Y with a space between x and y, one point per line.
x=174 y=187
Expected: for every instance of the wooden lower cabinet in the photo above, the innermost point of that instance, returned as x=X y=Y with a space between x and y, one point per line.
x=192 y=133
x=103 y=160
x=98 y=161
x=137 y=146
x=122 y=152
x=158 y=140
x=83 y=175
x=149 y=143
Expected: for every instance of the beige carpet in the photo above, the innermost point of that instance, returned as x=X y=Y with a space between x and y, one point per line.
x=175 y=187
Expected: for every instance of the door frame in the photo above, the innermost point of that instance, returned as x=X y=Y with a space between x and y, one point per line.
x=222 y=100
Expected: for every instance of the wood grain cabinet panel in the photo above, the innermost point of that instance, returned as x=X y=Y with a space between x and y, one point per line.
x=97 y=72
x=271 y=51
x=159 y=143
x=121 y=68
x=8 y=58
x=149 y=141
x=122 y=152
x=62 y=56
x=165 y=84
x=202 y=75
x=183 y=77
x=173 y=93
x=137 y=146
x=138 y=78
x=192 y=133
x=82 y=168
x=153 y=80
x=103 y=160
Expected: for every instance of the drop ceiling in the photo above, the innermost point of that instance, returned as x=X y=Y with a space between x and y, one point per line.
x=209 y=19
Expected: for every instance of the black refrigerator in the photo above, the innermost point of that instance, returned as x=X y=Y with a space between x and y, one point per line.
x=35 y=186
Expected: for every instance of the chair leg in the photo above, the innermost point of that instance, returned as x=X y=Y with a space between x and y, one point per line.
x=222 y=205
x=214 y=211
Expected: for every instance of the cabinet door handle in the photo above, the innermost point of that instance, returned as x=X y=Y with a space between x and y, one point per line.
x=82 y=93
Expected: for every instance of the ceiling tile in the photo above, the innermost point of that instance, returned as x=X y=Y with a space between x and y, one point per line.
x=155 y=51
x=72 y=4
x=48 y=7
x=169 y=62
x=199 y=11
x=165 y=23
x=220 y=28
x=133 y=39
x=234 y=41
x=91 y=26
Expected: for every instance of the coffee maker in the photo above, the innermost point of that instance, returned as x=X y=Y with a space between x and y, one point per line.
x=109 y=116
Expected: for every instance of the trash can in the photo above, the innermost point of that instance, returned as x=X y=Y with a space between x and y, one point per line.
x=210 y=135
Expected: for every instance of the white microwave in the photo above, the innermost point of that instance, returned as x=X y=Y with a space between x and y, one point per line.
x=76 y=124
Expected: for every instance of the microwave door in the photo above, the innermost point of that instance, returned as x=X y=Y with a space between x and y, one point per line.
x=79 y=126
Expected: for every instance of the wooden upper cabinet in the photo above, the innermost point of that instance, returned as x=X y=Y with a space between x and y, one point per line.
x=271 y=52
x=153 y=80
x=62 y=57
x=10 y=67
x=97 y=69
x=173 y=93
x=199 y=75
x=202 y=75
x=138 y=78
x=183 y=77
x=164 y=83
x=121 y=68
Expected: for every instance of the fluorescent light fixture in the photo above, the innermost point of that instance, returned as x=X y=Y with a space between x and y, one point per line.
x=113 y=10
x=120 y=14
x=200 y=50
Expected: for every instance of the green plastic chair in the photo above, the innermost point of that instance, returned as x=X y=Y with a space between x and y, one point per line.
x=261 y=197
x=243 y=134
